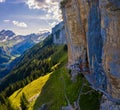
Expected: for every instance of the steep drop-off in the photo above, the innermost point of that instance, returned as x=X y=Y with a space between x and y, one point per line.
x=92 y=28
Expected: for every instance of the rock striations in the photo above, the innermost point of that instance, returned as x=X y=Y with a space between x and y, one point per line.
x=93 y=38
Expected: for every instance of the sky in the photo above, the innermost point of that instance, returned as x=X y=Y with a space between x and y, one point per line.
x=29 y=16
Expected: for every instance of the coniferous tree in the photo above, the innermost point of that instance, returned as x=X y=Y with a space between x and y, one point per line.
x=9 y=105
x=24 y=102
x=2 y=99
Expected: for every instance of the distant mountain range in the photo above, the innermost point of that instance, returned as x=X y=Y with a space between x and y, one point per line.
x=9 y=36
x=12 y=46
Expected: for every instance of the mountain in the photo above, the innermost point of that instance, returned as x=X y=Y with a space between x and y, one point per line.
x=3 y=55
x=4 y=59
x=37 y=53
x=6 y=35
x=12 y=46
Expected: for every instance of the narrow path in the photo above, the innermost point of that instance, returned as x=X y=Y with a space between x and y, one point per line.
x=77 y=102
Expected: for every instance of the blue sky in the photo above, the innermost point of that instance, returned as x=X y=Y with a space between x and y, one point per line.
x=29 y=16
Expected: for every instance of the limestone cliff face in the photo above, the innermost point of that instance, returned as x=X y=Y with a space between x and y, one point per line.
x=75 y=32
x=110 y=26
x=59 y=36
x=93 y=35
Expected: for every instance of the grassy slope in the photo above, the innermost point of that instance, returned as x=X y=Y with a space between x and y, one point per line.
x=52 y=89
x=35 y=87
x=31 y=90
x=53 y=92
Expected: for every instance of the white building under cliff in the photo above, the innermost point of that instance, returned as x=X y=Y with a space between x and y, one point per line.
x=59 y=35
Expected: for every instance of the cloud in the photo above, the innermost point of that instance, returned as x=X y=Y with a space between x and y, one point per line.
x=20 y=24
x=53 y=24
x=42 y=30
x=6 y=20
x=2 y=1
x=50 y=7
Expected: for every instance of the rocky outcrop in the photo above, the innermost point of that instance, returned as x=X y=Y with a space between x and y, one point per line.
x=93 y=35
x=59 y=36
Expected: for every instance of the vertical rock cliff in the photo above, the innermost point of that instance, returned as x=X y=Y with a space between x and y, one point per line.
x=59 y=36
x=75 y=33
x=93 y=35
x=110 y=31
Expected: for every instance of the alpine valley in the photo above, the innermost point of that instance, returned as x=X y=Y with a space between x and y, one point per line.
x=12 y=46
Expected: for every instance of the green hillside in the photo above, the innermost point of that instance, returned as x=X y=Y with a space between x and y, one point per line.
x=33 y=59
x=36 y=62
x=43 y=78
x=51 y=88
x=59 y=84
